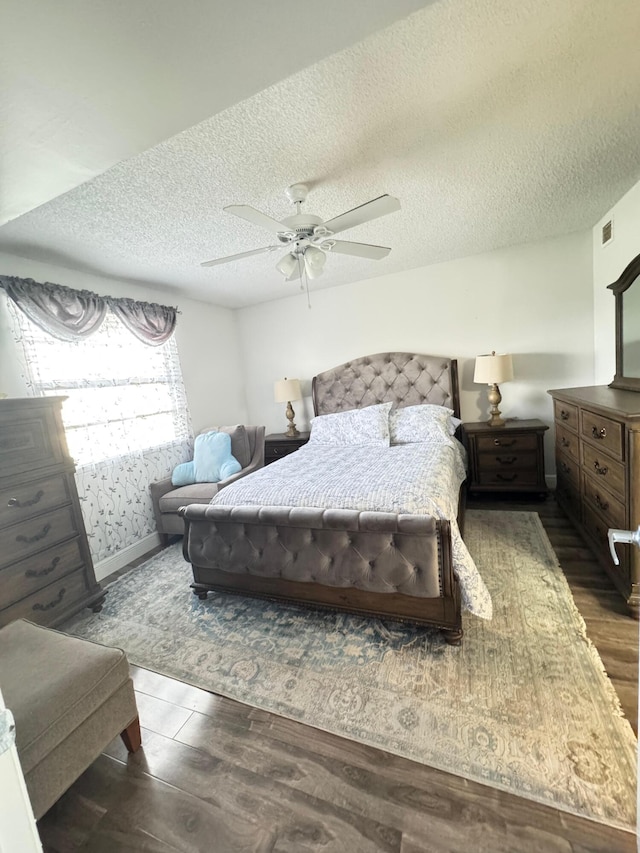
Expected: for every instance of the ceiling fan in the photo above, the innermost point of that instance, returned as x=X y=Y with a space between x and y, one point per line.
x=307 y=238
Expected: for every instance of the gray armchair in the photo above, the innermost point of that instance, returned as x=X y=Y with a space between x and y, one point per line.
x=247 y=445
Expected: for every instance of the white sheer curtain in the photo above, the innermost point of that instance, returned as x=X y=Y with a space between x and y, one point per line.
x=126 y=419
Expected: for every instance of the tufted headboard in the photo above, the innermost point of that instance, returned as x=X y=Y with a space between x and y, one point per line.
x=403 y=378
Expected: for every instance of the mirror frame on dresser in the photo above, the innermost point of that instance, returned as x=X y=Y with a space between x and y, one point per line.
x=629 y=275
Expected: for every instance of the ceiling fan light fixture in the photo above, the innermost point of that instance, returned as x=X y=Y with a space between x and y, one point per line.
x=314 y=261
x=287 y=265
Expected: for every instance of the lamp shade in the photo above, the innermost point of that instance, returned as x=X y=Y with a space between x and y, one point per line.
x=285 y=390
x=287 y=265
x=314 y=260
x=493 y=369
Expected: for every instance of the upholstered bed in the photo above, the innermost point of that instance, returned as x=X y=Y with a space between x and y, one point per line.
x=371 y=529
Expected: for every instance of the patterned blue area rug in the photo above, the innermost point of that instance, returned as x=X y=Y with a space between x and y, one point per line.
x=524 y=705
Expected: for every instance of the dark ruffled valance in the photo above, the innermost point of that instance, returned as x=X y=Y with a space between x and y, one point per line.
x=68 y=314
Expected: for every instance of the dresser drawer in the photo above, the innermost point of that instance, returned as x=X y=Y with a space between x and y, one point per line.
x=29 y=439
x=28 y=499
x=603 y=432
x=605 y=470
x=512 y=443
x=566 y=414
x=37 y=534
x=45 y=605
x=30 y=575
x=598 y=530
x=567 y=442
x=568 y=470
x=507 y=461
x=602 y=502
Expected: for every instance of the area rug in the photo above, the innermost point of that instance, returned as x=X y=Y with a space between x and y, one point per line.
x=523 y=705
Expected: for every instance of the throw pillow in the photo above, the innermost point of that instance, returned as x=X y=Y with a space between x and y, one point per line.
x=239 y=442
x=212 y=461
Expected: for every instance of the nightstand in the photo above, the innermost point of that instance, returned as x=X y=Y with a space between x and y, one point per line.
x=278 y=444
x=506 y=459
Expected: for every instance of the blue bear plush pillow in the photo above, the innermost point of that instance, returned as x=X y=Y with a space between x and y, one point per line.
x=212 y=461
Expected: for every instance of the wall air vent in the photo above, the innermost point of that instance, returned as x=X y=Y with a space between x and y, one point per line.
x=607 y=232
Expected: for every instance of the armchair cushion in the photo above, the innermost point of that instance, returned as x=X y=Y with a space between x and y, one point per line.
x=212 y=461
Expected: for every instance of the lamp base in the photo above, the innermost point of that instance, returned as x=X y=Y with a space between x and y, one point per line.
x=291 y=432
x=495 y=397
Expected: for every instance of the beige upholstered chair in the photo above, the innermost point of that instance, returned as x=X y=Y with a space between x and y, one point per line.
x=69 y=699
x=247 y=445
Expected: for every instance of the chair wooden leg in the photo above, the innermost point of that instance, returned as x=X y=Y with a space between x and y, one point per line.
x=131 y=736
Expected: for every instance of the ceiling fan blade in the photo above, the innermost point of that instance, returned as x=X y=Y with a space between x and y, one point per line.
x=238 y=256
x=365 y=213
x=361 y=250
x=244 y=211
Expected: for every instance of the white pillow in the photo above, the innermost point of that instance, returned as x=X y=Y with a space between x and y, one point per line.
x=354 y=427
x=413 y=424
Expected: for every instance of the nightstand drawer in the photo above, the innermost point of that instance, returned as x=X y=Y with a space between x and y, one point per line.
x=508 y=461
x=527 y=441
x=509 y=479
x=275 y=451
x=278 y=445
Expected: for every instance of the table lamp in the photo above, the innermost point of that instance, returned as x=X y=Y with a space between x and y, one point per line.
x=284 y=391
x=491 y=370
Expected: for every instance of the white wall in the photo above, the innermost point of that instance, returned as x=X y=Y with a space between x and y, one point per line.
x=533 y=300
x=206 y=336
x=608 y=262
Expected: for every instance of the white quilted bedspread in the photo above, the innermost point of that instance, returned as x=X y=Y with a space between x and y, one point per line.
x=422 y=479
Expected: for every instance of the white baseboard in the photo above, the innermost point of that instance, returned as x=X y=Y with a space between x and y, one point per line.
x=551 y=480
x=116 y=561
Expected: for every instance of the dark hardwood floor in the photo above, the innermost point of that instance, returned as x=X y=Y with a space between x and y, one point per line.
x=216 y=775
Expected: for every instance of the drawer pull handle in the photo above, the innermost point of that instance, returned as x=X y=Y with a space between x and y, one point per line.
x=499 y=443
x=598 y=433
x=20 y=504
x=564 y=415
x=51 y=604
x=29 y=540
x=604 y=505
x=41 y=573
x=564 y=467
x=507 y=478
x=565 y=442
x=600 y=469
x=506 y=460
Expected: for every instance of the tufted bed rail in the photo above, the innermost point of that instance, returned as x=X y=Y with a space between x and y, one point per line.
x=381 y=564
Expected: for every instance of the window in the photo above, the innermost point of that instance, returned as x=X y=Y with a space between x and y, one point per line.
x=123 y=395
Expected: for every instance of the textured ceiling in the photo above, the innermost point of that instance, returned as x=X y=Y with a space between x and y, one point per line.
x=493 y=122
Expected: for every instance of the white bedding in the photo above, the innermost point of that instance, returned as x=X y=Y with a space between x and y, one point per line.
x=421 y=478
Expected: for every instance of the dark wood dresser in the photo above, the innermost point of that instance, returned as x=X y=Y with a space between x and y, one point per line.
x=46 y=572
x=598 y=468
x=279 y=444
x=506 y=459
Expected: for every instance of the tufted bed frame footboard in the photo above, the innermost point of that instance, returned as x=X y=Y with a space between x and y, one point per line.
x=372 y=563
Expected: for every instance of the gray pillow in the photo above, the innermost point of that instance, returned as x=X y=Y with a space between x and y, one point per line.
x=239 y=442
